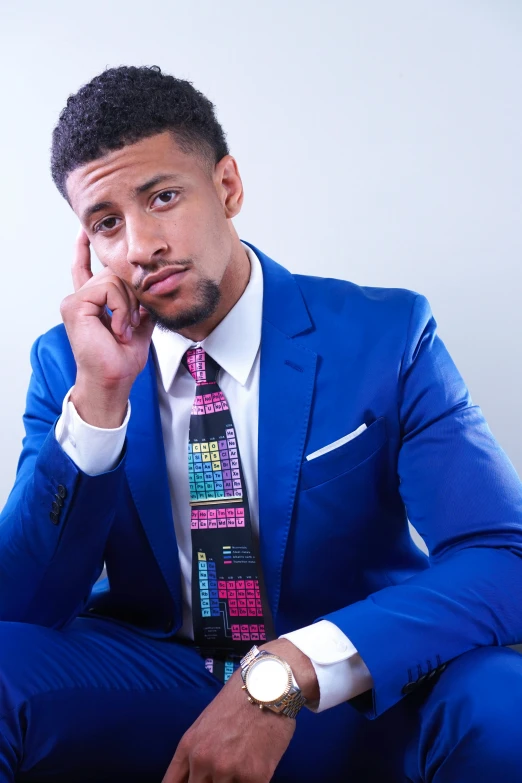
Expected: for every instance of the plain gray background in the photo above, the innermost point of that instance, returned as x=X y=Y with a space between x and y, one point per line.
x=378 y=142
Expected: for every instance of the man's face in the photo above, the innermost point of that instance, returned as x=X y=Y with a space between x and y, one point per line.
x=159 y=219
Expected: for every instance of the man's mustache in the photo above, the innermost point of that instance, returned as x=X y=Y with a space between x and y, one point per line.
x=179 y=266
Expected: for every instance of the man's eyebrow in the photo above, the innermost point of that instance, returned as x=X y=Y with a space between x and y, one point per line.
x=151 y=183
x=90 y=211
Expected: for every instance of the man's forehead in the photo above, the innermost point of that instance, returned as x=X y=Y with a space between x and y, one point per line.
x=130 y=170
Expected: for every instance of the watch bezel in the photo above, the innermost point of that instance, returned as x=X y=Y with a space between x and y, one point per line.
x=289 y=684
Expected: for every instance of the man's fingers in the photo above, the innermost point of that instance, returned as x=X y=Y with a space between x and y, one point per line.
x=82 y=274
x=178 y=771
x=146 y=326
x=93 y=301
x=81 y=268
x=104 y=276
x=120 y=297
x=118 y=304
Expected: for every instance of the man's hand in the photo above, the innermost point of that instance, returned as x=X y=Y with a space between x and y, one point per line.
x=234 y=741
x=110 y=351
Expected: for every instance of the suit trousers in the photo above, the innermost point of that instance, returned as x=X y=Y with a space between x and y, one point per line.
x=100 y=702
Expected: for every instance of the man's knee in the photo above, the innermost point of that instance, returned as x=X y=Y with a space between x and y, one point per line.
x=473 y=712
x=22 y=676
x=486 y=678
x=22 y=667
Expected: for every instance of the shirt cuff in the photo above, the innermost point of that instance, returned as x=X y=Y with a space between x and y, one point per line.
x=92 y=449
x=340 y=670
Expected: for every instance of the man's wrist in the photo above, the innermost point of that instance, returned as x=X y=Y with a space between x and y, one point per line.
x=100 y=406
x=300 y=664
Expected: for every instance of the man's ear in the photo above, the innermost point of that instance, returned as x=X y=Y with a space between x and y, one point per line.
x=229 y=186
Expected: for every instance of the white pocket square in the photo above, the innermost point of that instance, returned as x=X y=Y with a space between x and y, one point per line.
x=337 y=443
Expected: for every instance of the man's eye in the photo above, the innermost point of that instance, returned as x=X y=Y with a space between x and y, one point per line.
x=166 y=197
x=105 y=225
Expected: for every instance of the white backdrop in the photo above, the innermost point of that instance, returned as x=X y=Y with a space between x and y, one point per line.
x=378 y=142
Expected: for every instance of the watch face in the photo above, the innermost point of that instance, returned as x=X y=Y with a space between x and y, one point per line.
x=268 y=680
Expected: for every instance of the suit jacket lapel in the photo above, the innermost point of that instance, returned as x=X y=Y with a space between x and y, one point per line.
x=146 y=471
x=287 y=379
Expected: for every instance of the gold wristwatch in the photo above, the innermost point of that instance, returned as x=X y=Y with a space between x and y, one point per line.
x=269 y=682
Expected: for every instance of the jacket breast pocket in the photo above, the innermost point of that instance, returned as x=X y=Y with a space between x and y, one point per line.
x=344 y=459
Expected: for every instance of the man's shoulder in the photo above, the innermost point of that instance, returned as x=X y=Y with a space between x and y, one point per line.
x=55 y=339
x=334 y=296
x=53 y=349
x=334 y=305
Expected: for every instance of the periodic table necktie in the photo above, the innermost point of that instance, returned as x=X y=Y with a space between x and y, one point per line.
x=229 y=609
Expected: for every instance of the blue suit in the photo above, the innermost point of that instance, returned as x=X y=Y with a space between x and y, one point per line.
x=334 y=532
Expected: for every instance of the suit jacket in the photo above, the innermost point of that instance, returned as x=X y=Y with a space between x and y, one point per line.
x=334 y=532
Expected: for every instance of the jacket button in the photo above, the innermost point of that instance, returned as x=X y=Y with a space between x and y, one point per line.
x=433 y=673
x=56 y=507
x=62 y=491
x=58 y=500
x=54 y=518
x=441 y=668
x=422 y=679
x=169 y=625
x=409 y=687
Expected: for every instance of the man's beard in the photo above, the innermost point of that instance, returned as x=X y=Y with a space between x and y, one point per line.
x=208 y=300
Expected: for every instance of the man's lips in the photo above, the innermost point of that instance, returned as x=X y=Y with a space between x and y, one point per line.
x=163 y=282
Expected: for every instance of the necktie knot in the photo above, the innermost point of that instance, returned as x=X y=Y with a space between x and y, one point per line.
x=201 y=366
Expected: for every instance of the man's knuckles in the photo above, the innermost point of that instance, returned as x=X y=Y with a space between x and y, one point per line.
x=103 y=274
x=66 y=306
x=107 y=279
x=201 y=759
x=219 y=769
x=94 y=301
x=73 y=307
x=227 y=765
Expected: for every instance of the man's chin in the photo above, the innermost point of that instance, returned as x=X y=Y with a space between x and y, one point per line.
x=174 y=323
x=176 y=317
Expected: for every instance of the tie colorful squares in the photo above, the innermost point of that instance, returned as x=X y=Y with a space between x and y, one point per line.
x=228 y=607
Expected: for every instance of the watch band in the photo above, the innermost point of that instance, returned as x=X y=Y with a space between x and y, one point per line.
x=293 y=702
x=247 y=659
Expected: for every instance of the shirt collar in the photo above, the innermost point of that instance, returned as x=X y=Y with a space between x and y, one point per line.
x=233 y=344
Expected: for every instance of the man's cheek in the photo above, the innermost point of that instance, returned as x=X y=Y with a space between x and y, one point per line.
x=121 y=269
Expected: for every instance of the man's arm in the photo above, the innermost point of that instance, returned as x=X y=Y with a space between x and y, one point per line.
x=254 y=741
x=464 y=497
x=57 y=519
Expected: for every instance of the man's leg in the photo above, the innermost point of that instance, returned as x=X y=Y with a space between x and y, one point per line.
x=95 y=702
x=342 y=746
x=469 y=721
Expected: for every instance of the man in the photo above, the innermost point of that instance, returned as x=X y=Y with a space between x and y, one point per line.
x=318 y=416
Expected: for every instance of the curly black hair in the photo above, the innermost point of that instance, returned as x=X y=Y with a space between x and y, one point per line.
x=126 y=104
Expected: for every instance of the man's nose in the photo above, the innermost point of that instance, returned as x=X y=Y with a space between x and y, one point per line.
x=145 y=242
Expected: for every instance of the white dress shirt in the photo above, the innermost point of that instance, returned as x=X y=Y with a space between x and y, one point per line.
x=235 y=344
